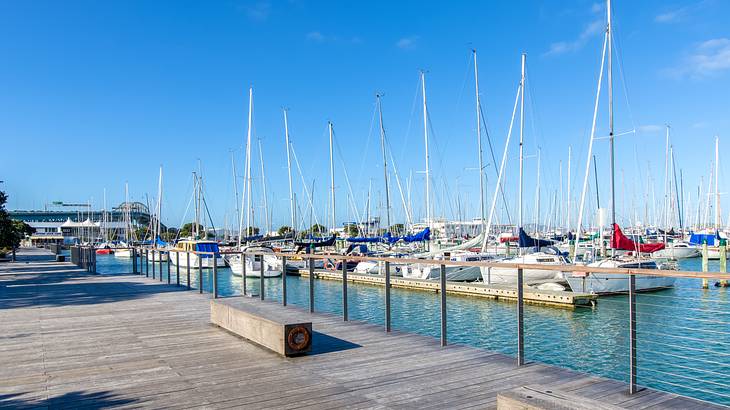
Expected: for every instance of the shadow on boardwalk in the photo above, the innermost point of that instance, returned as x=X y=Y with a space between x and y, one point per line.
x=70 y=287
x=77 y=399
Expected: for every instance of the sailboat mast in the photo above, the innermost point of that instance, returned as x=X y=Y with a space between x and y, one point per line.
x=425 y=138
x=235 y=187
x=267 y=227
x=522 y=132
x=248 y=162
x=385 y=161
x=537 y=198
x=479 y=141
x=288 y=167
x=332 y=177
x=717 y=179
x=159 y=207
x=609 y=31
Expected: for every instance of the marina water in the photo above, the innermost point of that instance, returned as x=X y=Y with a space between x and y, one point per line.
x=683 y=343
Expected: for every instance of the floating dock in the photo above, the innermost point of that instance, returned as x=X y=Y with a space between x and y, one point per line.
x=554 y=298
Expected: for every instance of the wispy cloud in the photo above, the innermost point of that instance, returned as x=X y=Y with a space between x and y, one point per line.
x=407 y=43
x=315 y=36
x=678 y=14
x=708 y=58
x=259 y=10
x=319 y=37
x=671 y=16
x=649 y=129
x=561 y=47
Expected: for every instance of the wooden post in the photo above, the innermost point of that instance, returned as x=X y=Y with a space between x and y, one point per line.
x=705 y=282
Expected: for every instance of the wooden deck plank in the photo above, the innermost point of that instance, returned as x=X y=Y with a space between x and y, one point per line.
x=73 y=340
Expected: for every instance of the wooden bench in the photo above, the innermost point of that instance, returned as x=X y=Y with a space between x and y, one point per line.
x=536 y=397
x=273 y=327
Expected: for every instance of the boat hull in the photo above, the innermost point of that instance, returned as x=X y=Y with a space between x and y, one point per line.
x=182 y=261
x=603 y=283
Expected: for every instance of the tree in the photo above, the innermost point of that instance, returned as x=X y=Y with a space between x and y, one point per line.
x=284 y=230
x=188 y=228
x=11 y=232
x=7 y=232
x=352 y=229
x=252 y=230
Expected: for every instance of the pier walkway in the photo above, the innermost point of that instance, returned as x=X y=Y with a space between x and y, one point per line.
x=73 y=340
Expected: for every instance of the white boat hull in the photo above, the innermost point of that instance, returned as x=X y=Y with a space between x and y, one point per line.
x=432 y=272
x=604 y=283
x=272 y=266
x=122 y=253
x=205 y=263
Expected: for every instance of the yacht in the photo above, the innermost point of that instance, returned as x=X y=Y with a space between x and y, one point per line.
x=609 y=283
x=262 y=255
x=187 y=248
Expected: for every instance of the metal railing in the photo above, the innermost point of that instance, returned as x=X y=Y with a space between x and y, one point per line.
x=84 y=257
x=634 y=315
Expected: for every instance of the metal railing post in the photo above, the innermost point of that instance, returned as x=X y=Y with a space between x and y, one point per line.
x=387 y=296
x=153 y=264
x=159 y=257
x=311 y=285
x=215 y=277
x=261 y=277
x=187 y=255
x=177 y=268
x=134 y=261
x=168 y=268
x=147 y=262
x=442 y=290
x=243 y=265
x=200 y=272
x=520 y=318
x=344 y=290
x=283 y=280
x=632 y=334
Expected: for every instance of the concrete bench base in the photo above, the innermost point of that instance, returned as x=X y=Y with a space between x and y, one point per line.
x=535 y=397
x=281 y=331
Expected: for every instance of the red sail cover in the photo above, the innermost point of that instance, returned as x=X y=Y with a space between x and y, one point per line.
x=620 y=241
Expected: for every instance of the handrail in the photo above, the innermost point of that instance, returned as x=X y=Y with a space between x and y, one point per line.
x=525 y=266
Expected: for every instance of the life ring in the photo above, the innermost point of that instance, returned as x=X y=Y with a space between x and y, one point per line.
x=298 y=338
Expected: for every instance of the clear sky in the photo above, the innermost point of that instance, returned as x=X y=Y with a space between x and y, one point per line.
x=93 y=94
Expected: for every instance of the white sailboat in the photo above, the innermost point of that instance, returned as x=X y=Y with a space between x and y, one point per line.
x=509 y=275
x=603 y=282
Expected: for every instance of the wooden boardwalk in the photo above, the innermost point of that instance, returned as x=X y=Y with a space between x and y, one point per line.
x=72 y=340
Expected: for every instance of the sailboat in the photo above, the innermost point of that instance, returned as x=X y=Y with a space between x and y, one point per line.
x=252 y=264
x=187 y=249
x=603 y=283
x=509 y=275
x=124 y=250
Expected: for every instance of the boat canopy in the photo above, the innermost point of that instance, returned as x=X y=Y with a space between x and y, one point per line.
x=620 y=241
x=158 y=241
x=206 y=247
x=527 y=241
x=424 y=235
x=701 y=238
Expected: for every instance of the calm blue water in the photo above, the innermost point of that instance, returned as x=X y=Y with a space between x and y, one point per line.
x=683 y=334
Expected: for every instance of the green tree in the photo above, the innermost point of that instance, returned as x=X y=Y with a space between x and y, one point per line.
x=252 y=230
x=352 y=230
x=284 y=230
x=8 y=238
x=188 y=228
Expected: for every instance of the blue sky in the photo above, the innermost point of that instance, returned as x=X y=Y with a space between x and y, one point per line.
x=93 y=94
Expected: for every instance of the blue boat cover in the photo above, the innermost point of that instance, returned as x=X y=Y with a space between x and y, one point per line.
x=699 y=239
x=424 y=235
x=206 y=247
x=527 y=241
